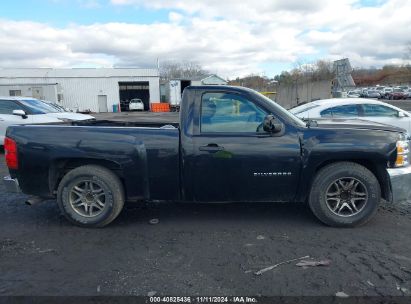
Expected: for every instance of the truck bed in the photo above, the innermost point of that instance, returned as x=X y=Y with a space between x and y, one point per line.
x=145 y=155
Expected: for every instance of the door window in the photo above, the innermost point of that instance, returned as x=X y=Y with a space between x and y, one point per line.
x=225 y=112
x=340 y=111
x=7 y=107
x=379 y=110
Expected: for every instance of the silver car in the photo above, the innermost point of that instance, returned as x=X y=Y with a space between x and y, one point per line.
x=355 y=108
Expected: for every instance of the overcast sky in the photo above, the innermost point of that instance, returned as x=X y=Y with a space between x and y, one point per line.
x=228 y=37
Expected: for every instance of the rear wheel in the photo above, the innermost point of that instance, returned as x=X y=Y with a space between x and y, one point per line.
x=344 y=194
x=90 y=196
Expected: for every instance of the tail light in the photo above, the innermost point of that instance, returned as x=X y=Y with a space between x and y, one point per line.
x=10 y=150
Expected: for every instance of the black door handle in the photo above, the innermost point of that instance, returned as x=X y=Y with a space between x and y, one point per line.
x=211 y=148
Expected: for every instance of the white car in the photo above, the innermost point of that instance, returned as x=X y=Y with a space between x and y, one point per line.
x=402 y=87
x=355 y=108
x=58 y=107
x=136 y=105
x=64 y=114
x=353 y=94
x=28 y=110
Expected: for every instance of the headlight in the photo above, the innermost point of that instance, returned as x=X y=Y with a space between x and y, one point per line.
x=402 y=153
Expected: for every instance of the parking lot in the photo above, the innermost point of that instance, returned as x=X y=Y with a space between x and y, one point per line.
x=200 y=249
x=403 y=104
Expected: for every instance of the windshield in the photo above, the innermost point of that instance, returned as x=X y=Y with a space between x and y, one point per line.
x=37 y=107
x=283 y=111
x=54 y=105
x=304 y=108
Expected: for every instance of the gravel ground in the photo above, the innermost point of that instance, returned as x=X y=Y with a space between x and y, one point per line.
x=208 y=249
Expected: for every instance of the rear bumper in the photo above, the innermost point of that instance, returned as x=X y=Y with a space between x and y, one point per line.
x=11 y=184
x=400 y=184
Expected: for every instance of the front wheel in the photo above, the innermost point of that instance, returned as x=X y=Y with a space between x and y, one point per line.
x=344 y=194
x=90 y=196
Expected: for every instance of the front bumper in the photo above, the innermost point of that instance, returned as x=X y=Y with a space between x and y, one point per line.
x=400 y=184
x=11 y=184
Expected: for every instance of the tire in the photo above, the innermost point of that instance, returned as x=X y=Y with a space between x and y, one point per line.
x=92 y=188
x=363 y=200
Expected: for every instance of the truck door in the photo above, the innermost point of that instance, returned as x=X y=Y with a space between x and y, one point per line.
x=235 y=160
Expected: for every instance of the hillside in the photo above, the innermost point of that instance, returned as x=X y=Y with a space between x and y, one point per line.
x=388 y=75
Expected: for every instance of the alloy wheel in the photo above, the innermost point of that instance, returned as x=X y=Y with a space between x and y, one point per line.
x=87 y=198
x=346 y=196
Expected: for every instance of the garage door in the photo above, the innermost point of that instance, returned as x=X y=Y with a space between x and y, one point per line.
x=131 y=90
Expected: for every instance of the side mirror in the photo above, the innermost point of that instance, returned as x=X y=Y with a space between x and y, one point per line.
x=20 y=113
x=401 y=114
x=272 y=125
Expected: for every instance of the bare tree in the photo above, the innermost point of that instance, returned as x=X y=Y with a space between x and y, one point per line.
x=323 y=70
x=180 y=69
x=303 y=71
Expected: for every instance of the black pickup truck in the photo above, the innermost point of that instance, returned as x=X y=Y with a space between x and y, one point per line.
x=231 y=144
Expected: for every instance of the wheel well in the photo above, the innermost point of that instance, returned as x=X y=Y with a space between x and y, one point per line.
x=377 y=169
x=62 y=166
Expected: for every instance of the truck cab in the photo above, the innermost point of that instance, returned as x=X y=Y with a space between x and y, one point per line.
x=234 y=157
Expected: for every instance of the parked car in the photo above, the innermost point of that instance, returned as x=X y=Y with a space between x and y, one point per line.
x=232 y=145
x=396 y=94
x=372 y=94
x=403 y=87
x=355 y=108
x=353 y=94
x=64 y=114
x=136 y=104
x=28 y=110
x=363 y=92
x=380 y=89
x=56 y=106
x=386 y=91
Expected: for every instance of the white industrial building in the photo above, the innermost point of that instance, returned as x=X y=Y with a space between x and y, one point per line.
x=83 y=89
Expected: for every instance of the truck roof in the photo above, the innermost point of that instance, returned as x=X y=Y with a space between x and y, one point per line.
x=220 y=87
